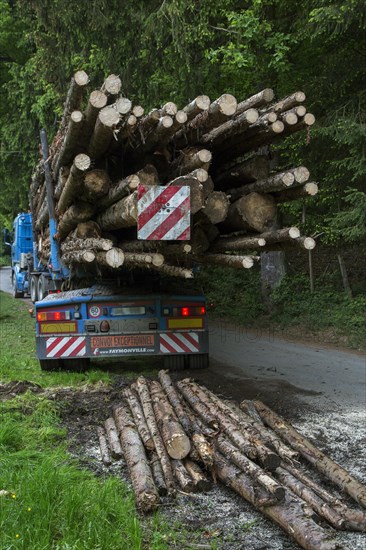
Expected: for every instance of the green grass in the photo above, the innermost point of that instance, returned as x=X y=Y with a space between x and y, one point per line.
x=18 y=359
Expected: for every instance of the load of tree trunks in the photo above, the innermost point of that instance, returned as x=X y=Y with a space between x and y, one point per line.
x=107 y=149
x=177 y=436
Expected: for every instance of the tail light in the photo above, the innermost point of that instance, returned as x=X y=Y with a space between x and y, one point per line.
x=189 y=311
x=53 y=316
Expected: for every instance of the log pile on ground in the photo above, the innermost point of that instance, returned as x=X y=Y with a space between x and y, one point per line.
x=106 y=147
x=182 y=437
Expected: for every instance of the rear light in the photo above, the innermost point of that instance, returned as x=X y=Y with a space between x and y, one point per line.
x=54 y=291
x=53 y=316
x=104 y=326
x=189 y=311
x=186 y=311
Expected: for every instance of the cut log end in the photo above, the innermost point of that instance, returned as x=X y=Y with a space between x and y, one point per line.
x=82 y=162
x=301 y=174
x=81 y=78
x=76 y=116
x=109 y=117
x=179 y=446
x=123 y=105
x=294 y=232
x=98 y=99
x=112 y=84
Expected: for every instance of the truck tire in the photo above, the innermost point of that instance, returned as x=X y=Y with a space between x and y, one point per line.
x=198 y=361
x=16 y=292
x=174 y=362
x=41 y=286
x=34 y=288
x=50 y=364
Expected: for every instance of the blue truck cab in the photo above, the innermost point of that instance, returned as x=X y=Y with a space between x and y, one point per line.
x=21 y=254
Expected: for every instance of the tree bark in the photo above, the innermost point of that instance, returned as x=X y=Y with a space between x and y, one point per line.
x=173 y=271
x=121 y=214
x=306 y=494
x=234 y=127
x=175 y=439
x=119 y=190
x=309 y=189
x=147 y=497
x=69 y=144
x=219 y=111
x=319 y=460
x=97 y=101
x=228 y=244
x=113 y=439
x=255 y=101
x=145 y=399
x=87 y=230
x=78 y=257
x=74 y=95
x=268 y=185
x=158 y=474
x=256 y=168
x=190 y=160
x=71 y=244
x=140 y=259
x=236 y=262
x=230 y=452
x=63 y=175
x=96 y=185
x=175 y=400
x=112 y=258
x=343 y=269
x=253 y=211
x=138 y=416
x=105 y=125
x=289 y=515
x=182 y=476
x=216 y=206
x=200 y=481
x=289 y=102
x=103 y=445
x=77 y=213
x=74 y=184
x=201 y=103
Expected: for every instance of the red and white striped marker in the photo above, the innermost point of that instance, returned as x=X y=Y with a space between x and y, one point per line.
x=163 y=213
x=179 y=342
x=66 y=346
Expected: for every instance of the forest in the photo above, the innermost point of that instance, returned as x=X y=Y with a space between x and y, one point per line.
x=174 y=50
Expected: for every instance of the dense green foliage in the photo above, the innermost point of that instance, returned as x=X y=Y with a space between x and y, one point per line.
x=177 y=49
x=326 y=315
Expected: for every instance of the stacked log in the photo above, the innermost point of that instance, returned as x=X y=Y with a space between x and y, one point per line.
x=105 y=149
x=181 y=437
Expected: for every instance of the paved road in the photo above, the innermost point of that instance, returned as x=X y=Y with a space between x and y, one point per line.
x=5 y=282
x=316 y=371
x=243 y=360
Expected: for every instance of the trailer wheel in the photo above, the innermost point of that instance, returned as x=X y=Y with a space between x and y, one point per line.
x=50 y=364
x=34 y=288
x=41 y=286
x=198 y=361
x=75 y=365
x=16 y=292
x=174 y=362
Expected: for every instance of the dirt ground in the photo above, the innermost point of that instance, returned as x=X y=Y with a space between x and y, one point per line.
x=218 y=519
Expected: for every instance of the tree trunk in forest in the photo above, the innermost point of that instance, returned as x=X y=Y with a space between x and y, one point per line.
x=343 y=269
x=273 y=270
x=147 y=497
x=319 y=460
